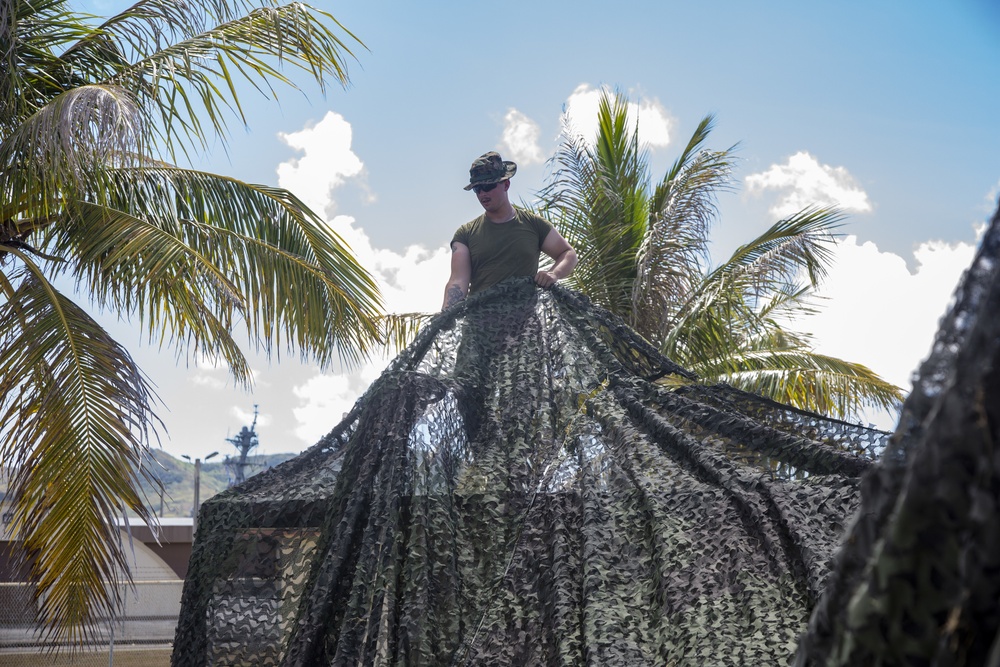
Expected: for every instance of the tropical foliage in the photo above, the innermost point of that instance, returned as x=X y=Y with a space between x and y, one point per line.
x=644 y=255
x=93 y=117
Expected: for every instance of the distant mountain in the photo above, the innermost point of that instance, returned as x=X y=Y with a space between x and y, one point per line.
x=177 y=476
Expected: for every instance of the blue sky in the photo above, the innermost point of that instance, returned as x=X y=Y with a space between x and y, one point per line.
x=888 y=109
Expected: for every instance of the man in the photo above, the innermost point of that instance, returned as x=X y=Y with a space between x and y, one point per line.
x=503 y=241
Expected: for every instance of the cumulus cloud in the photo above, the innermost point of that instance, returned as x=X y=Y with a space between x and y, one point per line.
x=520 y=138
x=580 y=116
x=324 y=400
x=246 y=417
x=410 y=281
x=210 y=380
x=878 y=313
x=327 y=163
x=210 y=372
x=803 y=181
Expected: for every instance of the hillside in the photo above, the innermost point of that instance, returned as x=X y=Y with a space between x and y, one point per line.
x=177 y=476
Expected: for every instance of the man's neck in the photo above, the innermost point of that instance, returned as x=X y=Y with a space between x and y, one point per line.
x=504 y=214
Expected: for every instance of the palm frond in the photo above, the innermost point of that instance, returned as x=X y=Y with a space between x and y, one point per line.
x=711 y=327
x=181 y=61
x=75 y=415
x=84 y=110
x=31 y=34
x=788 y=372
x=787 y=303
x=688 y=192
x=400 y=329
x=61 y=147
x=675 y=248
x=598 y=196
x=174 y=246
x=196 y=77
x=800 y=242
x=760 y=280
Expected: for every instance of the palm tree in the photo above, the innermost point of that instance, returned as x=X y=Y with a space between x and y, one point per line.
x=644 y=255
x=92 y=117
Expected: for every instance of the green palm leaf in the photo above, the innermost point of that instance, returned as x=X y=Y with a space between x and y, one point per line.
x=400 y=329
x=809 y=381
x=597 y=199
x=86 y=109
x=76 y=417
x=243 y=250
x=195 y=77
x=801 y=242
x=644 y=255
x=671 y=254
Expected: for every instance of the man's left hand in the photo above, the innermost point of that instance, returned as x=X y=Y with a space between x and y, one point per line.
x=545 y=279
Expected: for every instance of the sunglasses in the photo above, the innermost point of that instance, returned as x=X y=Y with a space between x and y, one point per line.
x=485 y=187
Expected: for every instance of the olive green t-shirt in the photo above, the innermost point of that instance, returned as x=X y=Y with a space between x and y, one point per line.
x=500 y=250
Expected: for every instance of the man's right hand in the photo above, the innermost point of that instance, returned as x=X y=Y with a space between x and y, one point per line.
x=546 y=279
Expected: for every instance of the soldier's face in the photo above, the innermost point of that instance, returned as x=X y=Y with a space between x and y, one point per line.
x=494 y=199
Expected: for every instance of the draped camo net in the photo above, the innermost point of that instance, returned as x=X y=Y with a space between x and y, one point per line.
x=917 y=581
x=518 y=489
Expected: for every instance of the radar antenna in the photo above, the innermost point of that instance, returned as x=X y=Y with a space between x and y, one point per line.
x=245 y=442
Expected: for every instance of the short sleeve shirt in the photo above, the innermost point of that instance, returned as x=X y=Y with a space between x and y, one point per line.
x=500 y=250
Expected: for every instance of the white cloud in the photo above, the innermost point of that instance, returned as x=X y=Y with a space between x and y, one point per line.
x=411 y=281
x=210 y=372
x=803 y=181
x=520 y=138
x=580 y=116
x=246 y=417
x=328 y=161
x=325 y=399
x=877 y=313
x=210 y=380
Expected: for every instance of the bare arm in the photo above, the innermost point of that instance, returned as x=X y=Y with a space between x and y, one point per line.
x=461 y=275
x=556 y=247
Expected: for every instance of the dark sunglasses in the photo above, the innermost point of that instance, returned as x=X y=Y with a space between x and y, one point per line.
x=485 y=187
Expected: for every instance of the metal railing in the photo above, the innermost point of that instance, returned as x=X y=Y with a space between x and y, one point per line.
x=148 y=619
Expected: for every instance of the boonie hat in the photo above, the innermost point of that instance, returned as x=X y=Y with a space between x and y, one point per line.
x=490 y=168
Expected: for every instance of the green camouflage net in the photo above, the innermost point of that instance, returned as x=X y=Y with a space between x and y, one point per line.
x=917 y=581
x=518 y=489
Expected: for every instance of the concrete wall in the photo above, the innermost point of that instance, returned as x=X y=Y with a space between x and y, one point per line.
x=151 y=606
x=173 y=549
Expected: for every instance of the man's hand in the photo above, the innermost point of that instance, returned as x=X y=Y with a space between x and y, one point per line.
x=546 y=279
x=461 y=273
x=556 y=247
x=452 y=295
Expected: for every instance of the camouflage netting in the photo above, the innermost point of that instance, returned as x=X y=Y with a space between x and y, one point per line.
x=917 y=581
x=518 y=489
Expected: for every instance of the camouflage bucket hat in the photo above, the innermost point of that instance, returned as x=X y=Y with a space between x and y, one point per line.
x=490 y=168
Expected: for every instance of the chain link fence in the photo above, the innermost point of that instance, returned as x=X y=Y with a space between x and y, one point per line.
x=142 y=635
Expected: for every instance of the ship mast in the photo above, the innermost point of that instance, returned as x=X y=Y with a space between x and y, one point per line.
x=245 y=442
